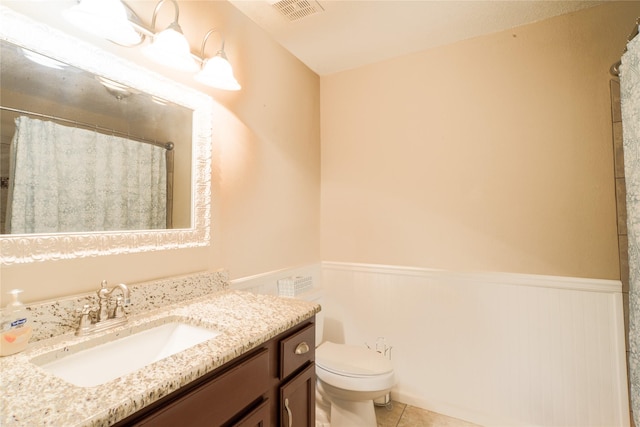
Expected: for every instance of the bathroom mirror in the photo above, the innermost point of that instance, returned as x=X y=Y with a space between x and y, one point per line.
x=80 y=104
x=188 y=104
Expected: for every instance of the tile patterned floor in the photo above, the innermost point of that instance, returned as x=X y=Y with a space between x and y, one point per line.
x=402 y=415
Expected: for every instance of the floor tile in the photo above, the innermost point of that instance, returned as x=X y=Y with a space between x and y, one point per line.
x=389 y=416
x=416 y=417
x=402 y=415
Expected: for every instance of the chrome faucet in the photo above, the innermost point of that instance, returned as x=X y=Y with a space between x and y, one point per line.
x=94 y=319
x=103 y=300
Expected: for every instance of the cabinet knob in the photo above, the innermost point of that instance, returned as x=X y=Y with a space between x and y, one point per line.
x=302 y=348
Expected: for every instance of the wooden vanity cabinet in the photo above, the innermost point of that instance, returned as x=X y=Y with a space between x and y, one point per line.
x=266 y=387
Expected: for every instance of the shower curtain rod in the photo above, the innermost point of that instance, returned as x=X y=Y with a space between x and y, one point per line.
x=615 y=68
x=166 y=145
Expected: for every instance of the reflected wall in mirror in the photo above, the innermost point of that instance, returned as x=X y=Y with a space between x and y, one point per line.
x=98 y=92
x=71 y=98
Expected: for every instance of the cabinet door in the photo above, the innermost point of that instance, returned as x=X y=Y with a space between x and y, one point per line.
x=297 y=399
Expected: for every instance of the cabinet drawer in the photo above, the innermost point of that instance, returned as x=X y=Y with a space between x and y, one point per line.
x=215 y=402
x=296 y=350
x=259 y=417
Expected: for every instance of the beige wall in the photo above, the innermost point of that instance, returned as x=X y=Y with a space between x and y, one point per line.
x=491 y=154
x=266 y=171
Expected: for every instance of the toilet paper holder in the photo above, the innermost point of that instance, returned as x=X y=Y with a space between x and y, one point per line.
x=383 y=348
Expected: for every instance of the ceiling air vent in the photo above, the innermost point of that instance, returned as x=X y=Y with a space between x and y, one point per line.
x=297 y=9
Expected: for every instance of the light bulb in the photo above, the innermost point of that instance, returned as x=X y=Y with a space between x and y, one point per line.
x=217 y=72
x=171 y=48
x=104 y=18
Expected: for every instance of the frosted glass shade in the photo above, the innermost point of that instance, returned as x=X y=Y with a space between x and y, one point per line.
x=217 y=72
x=170 y=48
x=104 y=18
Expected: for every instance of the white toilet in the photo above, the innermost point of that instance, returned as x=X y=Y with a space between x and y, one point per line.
x=349 y=377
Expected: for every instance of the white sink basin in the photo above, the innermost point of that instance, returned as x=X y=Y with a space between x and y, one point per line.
x=104 y=362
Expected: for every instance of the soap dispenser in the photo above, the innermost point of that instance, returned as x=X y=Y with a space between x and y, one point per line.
x=16 y=331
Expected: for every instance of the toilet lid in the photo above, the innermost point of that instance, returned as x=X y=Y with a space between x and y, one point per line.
x=351 y=360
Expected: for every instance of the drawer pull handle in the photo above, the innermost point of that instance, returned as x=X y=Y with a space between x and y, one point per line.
x=302 y=348
x=289 y=414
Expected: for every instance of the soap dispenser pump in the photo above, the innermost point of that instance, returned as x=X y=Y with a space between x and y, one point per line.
x=16 y=331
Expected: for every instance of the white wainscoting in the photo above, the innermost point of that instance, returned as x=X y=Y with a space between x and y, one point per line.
x=496 y=349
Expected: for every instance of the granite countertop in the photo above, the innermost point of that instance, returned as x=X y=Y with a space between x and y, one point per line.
x=31 y=396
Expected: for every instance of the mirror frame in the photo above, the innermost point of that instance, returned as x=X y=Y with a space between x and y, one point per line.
x=27 y=248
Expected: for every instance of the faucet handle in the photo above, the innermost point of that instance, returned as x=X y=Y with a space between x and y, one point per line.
x=118 y=312
x=87 y=310
x=86 y=315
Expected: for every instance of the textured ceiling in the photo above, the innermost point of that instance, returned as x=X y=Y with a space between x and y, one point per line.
x=349 y=34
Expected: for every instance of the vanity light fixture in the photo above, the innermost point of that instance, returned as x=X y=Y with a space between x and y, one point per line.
x=108 y=19
x=114 y=20
x=170 y=47
x=216 y=72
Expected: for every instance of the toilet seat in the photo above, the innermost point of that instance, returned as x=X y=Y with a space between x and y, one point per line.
x=351 y=360
x=354 y=368
x=376 y=384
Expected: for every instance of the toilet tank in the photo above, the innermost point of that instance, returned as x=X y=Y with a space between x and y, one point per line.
x=315 y=295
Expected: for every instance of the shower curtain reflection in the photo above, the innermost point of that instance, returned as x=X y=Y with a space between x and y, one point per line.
x=630 y=100
x=65 y=179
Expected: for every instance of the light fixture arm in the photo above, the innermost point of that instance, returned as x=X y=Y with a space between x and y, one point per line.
x=137 y=24
x=157 y=10
x=206 y=37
